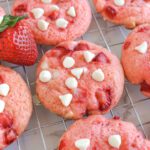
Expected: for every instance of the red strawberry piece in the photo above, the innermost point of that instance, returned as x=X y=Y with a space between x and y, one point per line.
x=104 y=98
x=54 y=15
x=1 y=79
x=6 y=125
x=145 y=87
x=143 y=29
x=102 y=58
x=81 y=46
x=5 y=121
x=21 y=9
x=71 y=20
x=116 y=118
x=17 y=44
x=126 y=45
x=110 y=12
x=10 y=136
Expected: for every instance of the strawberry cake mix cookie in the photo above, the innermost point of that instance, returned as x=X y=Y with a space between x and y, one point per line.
x=129 y=13
x=78 y=78
x=136 y=57
x=15 y=106
x=98 y=133
x=54 y=21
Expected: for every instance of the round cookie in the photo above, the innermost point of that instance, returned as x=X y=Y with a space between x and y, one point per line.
x=98 y=133
x=55 y=21
x=136 y=57
x=129 y=13
x=78 y=78
x=15 y=106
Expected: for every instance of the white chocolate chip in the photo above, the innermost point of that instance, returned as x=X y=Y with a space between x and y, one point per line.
x=119 y=2
x=77 y=72
x=54 y=7
x=71 y=11
x=43 y=25
x=66 y=99
x=4 y=89
x=44 y=65
x=68 y=62
x=142 y=48
x=37 y=12
x=71 y=83
x=45 y=76
x=88 y=56
x=115 y=141
x=98 y=75
x=82 y=144
x=2 y=106
x=46 y=1
x=1 y=19
x=61 y=23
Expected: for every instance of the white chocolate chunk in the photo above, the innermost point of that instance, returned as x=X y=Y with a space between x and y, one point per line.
x=61 y=23
x=71 y=83
x=82 y=144
x=119 y=2
x=98 y=75
x=43 y=25
x=46 y=1
x=2 y=106
x=37 y=12
x=77 y=72
x=54 y=7
x=115 y=141
x=88 y=56
x=66 y=99
x=142 y=48
x=71 y=11
x=1 y=19
x=45 y=76
x=68 y=62
x=4 y=89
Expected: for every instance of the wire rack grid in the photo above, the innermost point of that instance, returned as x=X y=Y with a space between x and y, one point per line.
x=46 y=128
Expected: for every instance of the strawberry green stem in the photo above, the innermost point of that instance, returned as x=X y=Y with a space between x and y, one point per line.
x=10 y=21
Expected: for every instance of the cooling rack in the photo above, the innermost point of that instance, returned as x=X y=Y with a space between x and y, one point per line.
x=46 y=128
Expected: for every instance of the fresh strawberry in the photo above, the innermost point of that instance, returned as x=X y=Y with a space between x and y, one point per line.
x=17 y=44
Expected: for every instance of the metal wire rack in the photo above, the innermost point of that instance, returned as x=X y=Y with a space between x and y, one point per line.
x=46 y=128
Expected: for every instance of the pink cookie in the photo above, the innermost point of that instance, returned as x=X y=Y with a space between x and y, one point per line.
x=98 y=133
x=55 y=21
x=136 y=57
x=15 y=106
x=129 y=13
x=78 y=78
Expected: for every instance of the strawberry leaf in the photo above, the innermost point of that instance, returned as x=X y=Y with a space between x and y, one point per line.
x=10 y=21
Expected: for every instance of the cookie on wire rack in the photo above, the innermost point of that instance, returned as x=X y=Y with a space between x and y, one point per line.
x=136 y=57
x=55 y=21
x=15 y=106
x=129 y=13
x=78 y=78
x=98 y=133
